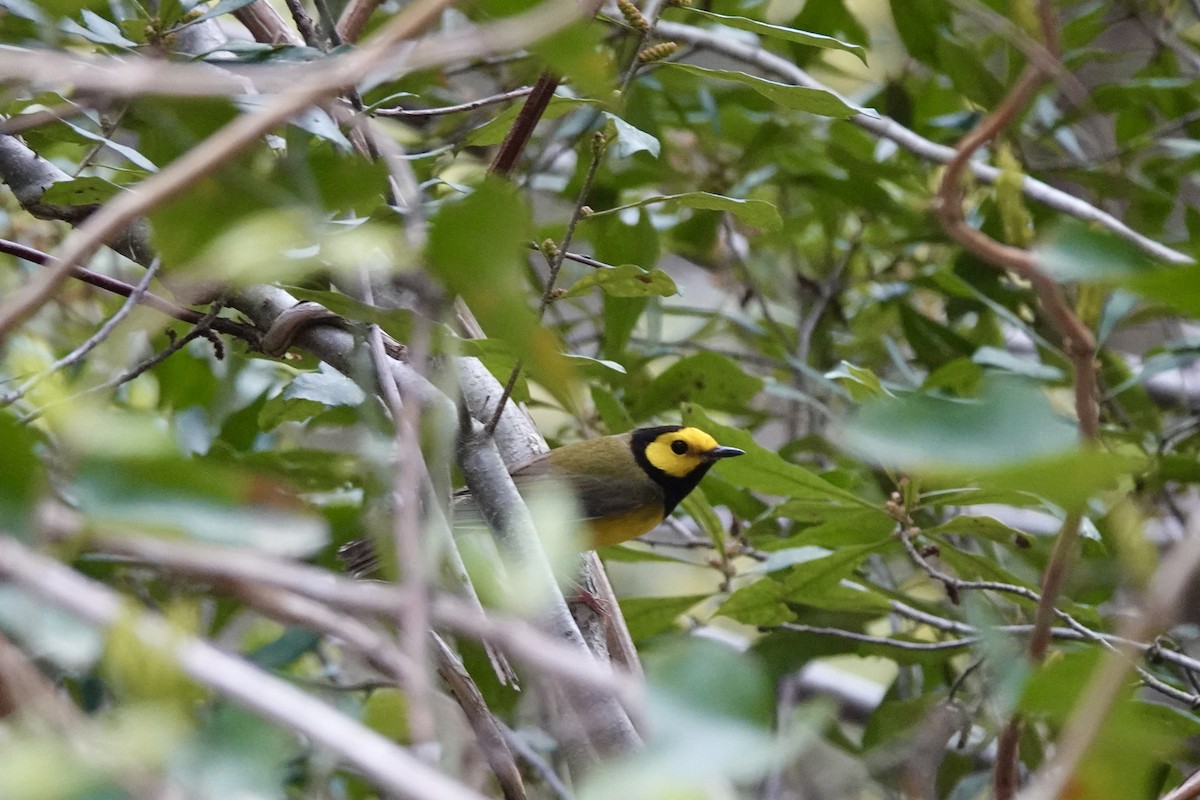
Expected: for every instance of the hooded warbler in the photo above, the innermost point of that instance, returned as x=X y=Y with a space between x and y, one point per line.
x=625 y=484
x=628 y=483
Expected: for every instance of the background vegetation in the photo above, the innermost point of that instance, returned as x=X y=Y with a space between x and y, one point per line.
x=929 y=263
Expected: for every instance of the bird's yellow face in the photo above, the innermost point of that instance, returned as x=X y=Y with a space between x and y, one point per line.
x=679 y=453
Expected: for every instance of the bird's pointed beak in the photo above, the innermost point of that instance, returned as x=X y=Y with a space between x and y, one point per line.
x=723 y=452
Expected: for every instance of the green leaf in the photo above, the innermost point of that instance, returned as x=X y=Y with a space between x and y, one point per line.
x=1178 y=287
x=198 y=498
x=85 y=191
x=1067 y=479
x=631 y=140
x=758 y=603
x=1077 y=252
x=1003 y=359
x=578 y=53
x=785 y=34
x=1011 y=422
x=987 y=528
x=836 y=524
x=396 y=322
x=621 y=315
x=696 y=506
x=612 y=413
x=797 y=98
x=478 y=246
x=806 y=580
x=650 y=616
x=308 y=394
x=862 y=383
x=757 y=213
x=707 y=378
x=765 y=470
x=21 y=473
x=626 y=280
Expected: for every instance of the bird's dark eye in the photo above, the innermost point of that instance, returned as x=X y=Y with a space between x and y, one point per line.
x=679 y=447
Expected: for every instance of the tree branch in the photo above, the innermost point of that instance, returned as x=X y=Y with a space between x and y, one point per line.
x=887 y=128
x=386 y=765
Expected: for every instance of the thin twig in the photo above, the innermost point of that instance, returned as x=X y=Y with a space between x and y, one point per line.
x=304 y=24
x=124 y=289
x=406 y=532
x=468 y=106
x=89 y=344
x=521 y=640
x=201 y=329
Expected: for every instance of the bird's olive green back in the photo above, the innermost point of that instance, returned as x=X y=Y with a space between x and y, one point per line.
x=604 y=474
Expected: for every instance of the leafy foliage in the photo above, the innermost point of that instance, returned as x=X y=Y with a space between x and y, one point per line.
x=708 y=242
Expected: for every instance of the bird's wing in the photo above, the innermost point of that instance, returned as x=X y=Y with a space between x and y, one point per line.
x=598 y=495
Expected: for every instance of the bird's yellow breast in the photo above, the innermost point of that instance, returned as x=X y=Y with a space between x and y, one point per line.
x=607 y=531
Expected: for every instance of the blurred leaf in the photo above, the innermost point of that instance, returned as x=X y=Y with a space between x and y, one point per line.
x=626 y=280
x=137 y=669
x=707 y=378
x=1003 y=359
x=308 y=394
x=386 y=712
x=223 y=7
x=709 y=706
x=36 y=765
x=85 y=191
x=630 y=140
x=48 y=633
x=1077 y=252
x=1010 y=422
x=1068 y=479
x=763 y=470
x=797 y=98
x=578 y=53
x=284 y=650
x=760 y=603
x=21 y=474
x=862 y=383
x=201 y=499
x=650 y=616
x=784 y=34
x=1178 y=287
x=491 y=277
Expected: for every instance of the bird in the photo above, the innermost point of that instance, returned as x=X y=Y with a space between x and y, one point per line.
x=628 y=483
x=625 y=484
